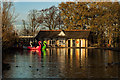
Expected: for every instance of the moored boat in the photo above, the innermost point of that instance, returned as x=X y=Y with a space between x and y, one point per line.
x=34 y=48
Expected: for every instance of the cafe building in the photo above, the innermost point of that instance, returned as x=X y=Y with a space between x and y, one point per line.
x=64 y=38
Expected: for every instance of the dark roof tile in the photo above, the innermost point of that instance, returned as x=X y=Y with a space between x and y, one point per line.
x=74 y=34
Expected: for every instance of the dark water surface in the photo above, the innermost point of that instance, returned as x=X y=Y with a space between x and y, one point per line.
x=62 y=63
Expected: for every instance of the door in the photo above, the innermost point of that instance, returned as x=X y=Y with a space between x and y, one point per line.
x=68 y=43
x=73 y=43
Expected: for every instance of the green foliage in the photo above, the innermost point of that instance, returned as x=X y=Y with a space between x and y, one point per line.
x=102 y=17
x=74 y=15
x=106 y=21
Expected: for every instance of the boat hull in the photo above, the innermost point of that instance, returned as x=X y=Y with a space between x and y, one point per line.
x=34 y=48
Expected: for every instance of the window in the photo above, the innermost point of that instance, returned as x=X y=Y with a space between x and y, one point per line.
x=61 y=42
x=53 y=41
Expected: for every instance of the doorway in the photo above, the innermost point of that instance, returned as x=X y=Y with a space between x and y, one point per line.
x=68 y=43
x=73 y=43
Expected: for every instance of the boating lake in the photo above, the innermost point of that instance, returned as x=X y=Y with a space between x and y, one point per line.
x=62 y=63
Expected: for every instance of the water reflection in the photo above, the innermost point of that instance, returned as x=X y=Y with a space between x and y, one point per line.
x=62 y=62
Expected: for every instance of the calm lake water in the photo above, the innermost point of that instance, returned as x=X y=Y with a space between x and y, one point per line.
x=62 y=63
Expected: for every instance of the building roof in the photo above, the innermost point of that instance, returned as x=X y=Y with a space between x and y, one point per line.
x=74 y=34
x=26 y=36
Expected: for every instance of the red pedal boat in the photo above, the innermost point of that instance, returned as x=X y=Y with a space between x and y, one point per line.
x=35 y=48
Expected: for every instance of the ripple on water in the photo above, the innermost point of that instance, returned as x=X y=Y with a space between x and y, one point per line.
x=68 y=65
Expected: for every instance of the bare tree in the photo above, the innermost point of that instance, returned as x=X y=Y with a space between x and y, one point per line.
x=50 y=18
x=8 y=18
x=25 y=31
x=33 y=21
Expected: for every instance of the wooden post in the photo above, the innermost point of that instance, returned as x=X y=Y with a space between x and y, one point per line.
x=57 y=42
x=66 y=43
x=51 y=42
x=48 y=42
x=85 y=42
x=81 y=42
x=71 y=42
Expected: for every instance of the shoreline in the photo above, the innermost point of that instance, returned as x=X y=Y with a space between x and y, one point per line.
x=111 y=48
x=105 y=48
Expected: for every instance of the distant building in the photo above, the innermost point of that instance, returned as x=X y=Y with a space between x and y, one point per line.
x=64 y=38
x=26 y=39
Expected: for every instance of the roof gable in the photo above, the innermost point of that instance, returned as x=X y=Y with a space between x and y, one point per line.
x=61 y=33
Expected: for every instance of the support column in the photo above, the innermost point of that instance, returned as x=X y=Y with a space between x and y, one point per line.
x=57 y=42
x=83 y=43
x=48 y=42
x=86 y=43
x=71 y=43
x=66 y=45
x=51 y=42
